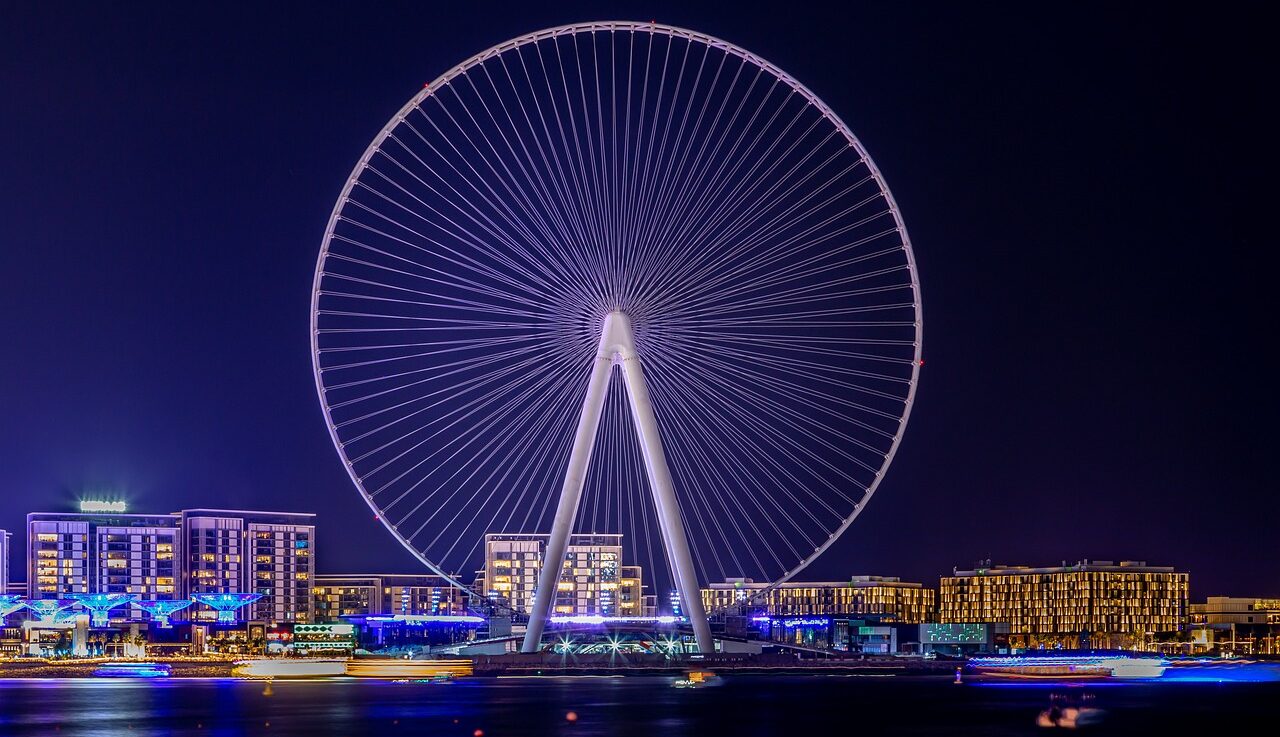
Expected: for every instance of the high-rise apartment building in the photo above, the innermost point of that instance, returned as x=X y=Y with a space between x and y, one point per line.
x=172 y=556
x=386 y=594
x=1093 y=603
x=105 y=553
x=592 y=582
x=268 y=553
x=891 y=598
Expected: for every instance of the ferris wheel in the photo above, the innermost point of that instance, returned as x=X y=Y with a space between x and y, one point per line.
x=617 y=277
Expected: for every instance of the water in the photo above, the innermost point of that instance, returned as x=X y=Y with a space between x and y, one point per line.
x=740 y=706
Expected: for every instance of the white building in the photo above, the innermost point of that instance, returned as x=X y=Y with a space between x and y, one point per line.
x=240 y=551
x=590 y=584
x=172 y=556
x=106 y=553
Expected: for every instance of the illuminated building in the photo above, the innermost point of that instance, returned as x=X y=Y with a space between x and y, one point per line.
x=886 y=597
x=1096 y=604
x=1239 y=625
x=386 y=594
x=267 y=553
x=168 y=557
x=103 y=553
x=591 y=583
x=5 y=538
x=632 y=601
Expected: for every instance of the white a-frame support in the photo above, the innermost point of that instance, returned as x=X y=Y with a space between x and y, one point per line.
x=618 y=346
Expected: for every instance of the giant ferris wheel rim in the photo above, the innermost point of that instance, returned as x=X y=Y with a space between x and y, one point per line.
x=574 y=29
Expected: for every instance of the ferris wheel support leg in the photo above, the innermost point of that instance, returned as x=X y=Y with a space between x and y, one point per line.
x=664 y=494
x=567 y=509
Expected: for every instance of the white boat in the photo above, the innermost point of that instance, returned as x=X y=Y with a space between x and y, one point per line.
x=289 y=668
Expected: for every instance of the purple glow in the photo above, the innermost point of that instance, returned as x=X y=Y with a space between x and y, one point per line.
x=598 y=619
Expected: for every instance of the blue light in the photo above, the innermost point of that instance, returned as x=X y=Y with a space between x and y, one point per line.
x=100 y=605
x=160 y=611
x=226 y=604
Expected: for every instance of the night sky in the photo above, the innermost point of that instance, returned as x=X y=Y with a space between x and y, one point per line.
x=1089 y=193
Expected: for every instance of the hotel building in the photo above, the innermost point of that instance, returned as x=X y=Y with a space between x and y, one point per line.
x=890 y=599
x=386 y=594
x=1095 y=604
x=594 y=581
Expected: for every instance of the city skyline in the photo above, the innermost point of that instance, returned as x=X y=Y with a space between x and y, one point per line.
x=161 y=355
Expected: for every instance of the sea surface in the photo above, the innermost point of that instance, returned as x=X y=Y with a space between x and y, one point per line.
x=794 y=706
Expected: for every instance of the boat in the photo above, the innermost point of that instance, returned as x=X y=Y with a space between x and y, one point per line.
x=1074 y=666
x=288 y=668
x=133 y=670
x=695 y=679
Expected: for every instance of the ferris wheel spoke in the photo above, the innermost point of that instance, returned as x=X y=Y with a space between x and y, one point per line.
x=474 y=462
x=521 y=431
x=576 y=219
x=553 y=204
x=714 y=274
x=702 y=453
x=697 y=468
x=679 y=191
x=525 y=387
x=485 y=191
x=803 y=425
x=496 y=255
x=645 y=247
x=474 y=264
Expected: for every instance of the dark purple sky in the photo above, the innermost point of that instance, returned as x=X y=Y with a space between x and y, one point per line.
x=1089 y=193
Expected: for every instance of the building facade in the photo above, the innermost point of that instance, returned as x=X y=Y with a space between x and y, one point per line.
x=886 y=597
x=386 y=594
x=106 y=553
x=172 y=556
x=594 y=581
x=268 y=553
x=1238 y=625
x=1093 y=604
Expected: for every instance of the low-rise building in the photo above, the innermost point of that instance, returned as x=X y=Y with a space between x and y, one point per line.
x=386 y=594
x=1240 y=625
x=1092 y=604
x=886 y=597
x=592 y=582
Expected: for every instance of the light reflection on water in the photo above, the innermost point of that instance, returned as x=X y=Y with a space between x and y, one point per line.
x=742 y=706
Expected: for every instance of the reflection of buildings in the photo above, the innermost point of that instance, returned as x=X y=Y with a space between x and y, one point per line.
x=1244 y=626
x=889 y=598
x=594 y=581
x=385 y=594
x=1090 y=604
